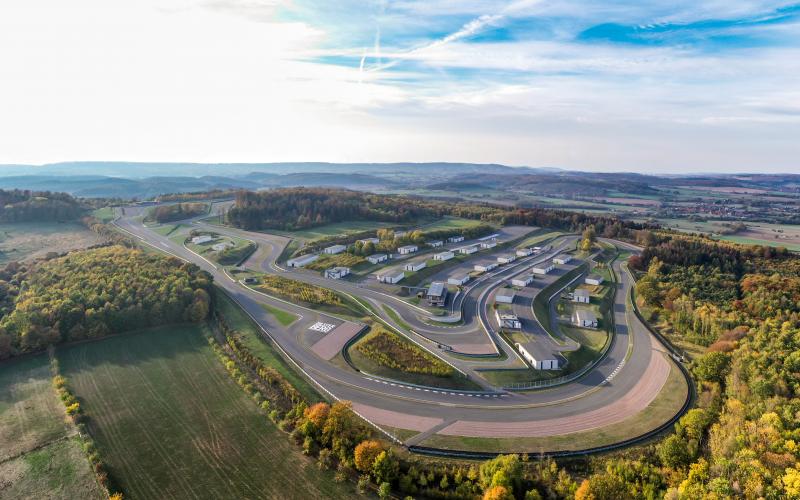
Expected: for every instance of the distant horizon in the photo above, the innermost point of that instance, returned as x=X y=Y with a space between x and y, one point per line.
x=695 y=172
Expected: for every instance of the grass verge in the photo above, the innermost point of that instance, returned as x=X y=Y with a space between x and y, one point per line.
x=250 y=335
x=285 y=318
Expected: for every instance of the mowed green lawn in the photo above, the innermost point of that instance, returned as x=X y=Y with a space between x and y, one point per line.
x=171 y=423
x=448 y=223
x=338 y=228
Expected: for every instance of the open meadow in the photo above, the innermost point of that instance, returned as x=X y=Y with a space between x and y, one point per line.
x=170 y=423
x=31 y=240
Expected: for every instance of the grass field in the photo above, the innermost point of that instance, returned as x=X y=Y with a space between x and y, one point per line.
x=25 y=241
x=38 y=456
x=447 y=223
x=339 y=228
x=105 y=214
x=172 y=424
x=285 y=318
x=539 y=238
x=666 y=404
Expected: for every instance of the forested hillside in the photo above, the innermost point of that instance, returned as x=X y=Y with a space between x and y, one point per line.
x=740 y=308
x=297 y=208
x=92 y=293
x=37 y=206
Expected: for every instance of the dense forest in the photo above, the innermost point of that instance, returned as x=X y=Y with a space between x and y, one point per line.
x=177 y=211
x=739 y=306
x=37 y=206
x=92 y=293
x=297 y=208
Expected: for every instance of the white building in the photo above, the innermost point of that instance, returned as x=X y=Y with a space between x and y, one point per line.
x=468 y=250
x=455 y=239
x=400 y=234
x=335 y=249
x=522 y=281
x=437 y=294
x=199 y=240
x=508 y=320
x=436 y=244
x=458 y=280
x=539 y=360
x=303 y=260
x=485 y=268
x=562 y=258
x=408 y=249
x=377 y=258
x=444 y=256
x=594 y=279
x=581 y=295
x=416 y=266
x=222 y=246
x=524 y=252
x=488 y=244
x=374 y=241
x=505 y=296
x=543 y=268
x=391 y=277
x=506 y=259
x=490 y=237
x=584 y=318
x=336 y=273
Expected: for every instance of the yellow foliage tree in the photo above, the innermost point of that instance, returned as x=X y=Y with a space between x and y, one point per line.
x=498 y=493
x=365 y=454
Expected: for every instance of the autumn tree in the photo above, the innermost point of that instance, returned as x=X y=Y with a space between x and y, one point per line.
x=365 y=454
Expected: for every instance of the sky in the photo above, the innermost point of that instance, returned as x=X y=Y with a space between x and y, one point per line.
x=652 y=86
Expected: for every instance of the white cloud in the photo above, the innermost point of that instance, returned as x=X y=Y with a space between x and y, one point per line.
x=203 y=80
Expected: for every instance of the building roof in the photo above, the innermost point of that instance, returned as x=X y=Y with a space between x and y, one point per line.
x=506 y=292
x=595 y=277
x=563 y=256
x=582 y=292
x=490 y=237
x=436 y=289
x=538 y=351
x=585 y=315
x=377 y=256
x=304 y=258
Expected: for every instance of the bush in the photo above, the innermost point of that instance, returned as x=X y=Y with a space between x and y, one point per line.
x=387 y=349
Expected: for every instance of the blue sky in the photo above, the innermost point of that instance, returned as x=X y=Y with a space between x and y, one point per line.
x=678 y=86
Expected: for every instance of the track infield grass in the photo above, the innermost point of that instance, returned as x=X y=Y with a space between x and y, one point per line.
x=668 y=402
x=171 y=423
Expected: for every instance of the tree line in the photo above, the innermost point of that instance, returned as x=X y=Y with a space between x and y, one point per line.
x=177 y=211
x=38 y=206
